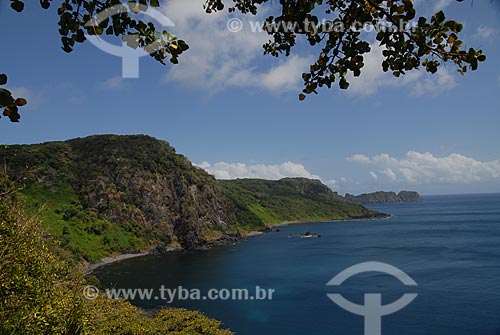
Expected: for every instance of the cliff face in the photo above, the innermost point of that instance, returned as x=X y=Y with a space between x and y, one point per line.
x=383 y=197
x=141 y=179
x=135 y=182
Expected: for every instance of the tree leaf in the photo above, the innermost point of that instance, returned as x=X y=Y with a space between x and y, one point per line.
x=18 y=6
x=343 y=84
x=20 y=102
x=5 y=98
x=45 y=4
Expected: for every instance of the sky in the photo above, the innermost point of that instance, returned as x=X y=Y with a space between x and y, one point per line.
x=235 y=112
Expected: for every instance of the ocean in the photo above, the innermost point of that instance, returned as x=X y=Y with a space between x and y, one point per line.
x=449 y=245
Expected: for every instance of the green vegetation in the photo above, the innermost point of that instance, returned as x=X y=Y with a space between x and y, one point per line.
x=41 y=294
x=290 y=199
x=80 y=230
x=106 y=195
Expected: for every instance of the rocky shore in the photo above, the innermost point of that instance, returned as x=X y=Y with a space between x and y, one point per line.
x=89 y=267
x=221 y=241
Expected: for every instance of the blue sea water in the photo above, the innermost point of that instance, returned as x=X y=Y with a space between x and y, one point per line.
x=450 y=245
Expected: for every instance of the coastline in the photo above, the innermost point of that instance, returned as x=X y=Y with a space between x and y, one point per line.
x=88 y=268
x=383 y=216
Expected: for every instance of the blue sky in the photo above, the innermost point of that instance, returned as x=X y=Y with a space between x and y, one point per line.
x=236 y=113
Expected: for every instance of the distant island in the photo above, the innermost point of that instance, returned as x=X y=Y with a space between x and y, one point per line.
x=381 y=197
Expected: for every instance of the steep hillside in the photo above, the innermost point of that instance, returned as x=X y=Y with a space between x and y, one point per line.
x=289 y=199
x=105 y=194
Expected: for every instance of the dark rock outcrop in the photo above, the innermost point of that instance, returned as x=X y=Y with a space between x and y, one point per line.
x=127 y=179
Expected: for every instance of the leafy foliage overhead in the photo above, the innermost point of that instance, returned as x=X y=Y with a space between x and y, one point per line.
x=408 y=42
x=77 y=18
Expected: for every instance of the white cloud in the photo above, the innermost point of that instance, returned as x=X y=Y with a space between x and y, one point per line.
x=223 y=170
x=333 y=183
x=359 y=158
x=485 y=33
x=442 y=4
x=112 y=84
x=374 y=175
x=431 y=6
x=285 y=75
x=435 y=84
x=218 y=58
x=425 y=168
x=389 y=174
x=34 y=98
x=373 y=78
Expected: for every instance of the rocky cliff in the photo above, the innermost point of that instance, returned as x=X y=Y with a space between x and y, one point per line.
x=120 y=193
